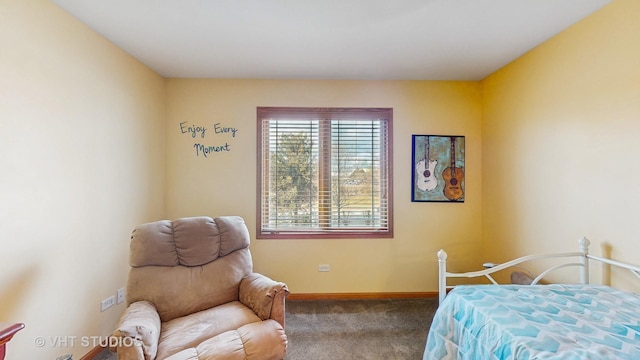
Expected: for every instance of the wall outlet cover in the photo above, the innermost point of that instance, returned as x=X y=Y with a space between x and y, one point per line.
x=120 y=296
x=107 y=303
x=324 y=267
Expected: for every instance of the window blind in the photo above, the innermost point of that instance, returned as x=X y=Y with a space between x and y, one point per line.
x=324 y=172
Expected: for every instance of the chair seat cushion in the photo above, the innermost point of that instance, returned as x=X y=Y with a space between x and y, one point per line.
x=191 y=330
x=263 y=340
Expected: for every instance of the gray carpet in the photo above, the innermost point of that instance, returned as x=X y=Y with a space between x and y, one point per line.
x=106 y=355
x=358 y=329
x=354 y=329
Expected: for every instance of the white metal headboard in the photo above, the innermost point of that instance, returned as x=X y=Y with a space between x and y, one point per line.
x=582 y=256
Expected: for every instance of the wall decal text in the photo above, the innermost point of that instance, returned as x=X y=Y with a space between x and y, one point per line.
x=200 y=131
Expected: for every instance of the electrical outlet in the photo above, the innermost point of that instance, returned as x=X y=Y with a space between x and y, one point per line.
x=324 y=267
x=120 y=295
x=107 y=303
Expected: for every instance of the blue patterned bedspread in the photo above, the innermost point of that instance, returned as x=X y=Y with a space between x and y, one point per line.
x=565 y=322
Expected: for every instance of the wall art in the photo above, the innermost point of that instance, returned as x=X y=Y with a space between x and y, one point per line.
x=437 y=168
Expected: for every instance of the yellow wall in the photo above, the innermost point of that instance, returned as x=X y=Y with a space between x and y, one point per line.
x=225 y=183
x=81 y=163
x=560 y=142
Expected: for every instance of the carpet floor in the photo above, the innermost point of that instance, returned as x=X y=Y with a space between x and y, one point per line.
x=358 y=329
x=354 y=329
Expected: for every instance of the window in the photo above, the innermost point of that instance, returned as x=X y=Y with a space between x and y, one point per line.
x=324 y=173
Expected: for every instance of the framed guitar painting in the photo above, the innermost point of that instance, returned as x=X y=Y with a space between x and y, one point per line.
x=437 y=168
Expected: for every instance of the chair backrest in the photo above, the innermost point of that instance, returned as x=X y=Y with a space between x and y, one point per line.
x=189 y=264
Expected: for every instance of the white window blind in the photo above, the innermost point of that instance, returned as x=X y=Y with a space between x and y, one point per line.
x=324 y=172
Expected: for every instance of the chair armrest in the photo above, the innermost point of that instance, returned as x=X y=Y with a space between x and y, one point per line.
x=138 y=332
x=264 y=296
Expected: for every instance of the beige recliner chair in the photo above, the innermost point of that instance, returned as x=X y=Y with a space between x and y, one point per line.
x=192 y=294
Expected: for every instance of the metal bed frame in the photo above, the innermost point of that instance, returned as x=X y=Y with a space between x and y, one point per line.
x=582 y=263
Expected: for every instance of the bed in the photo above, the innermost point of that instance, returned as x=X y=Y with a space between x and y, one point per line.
x=554 y=321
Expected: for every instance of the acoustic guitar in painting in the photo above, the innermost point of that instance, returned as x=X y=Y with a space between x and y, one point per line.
x=425 y=168
x=453 y=177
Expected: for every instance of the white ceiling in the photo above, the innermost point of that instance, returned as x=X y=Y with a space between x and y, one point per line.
x=328 y=39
